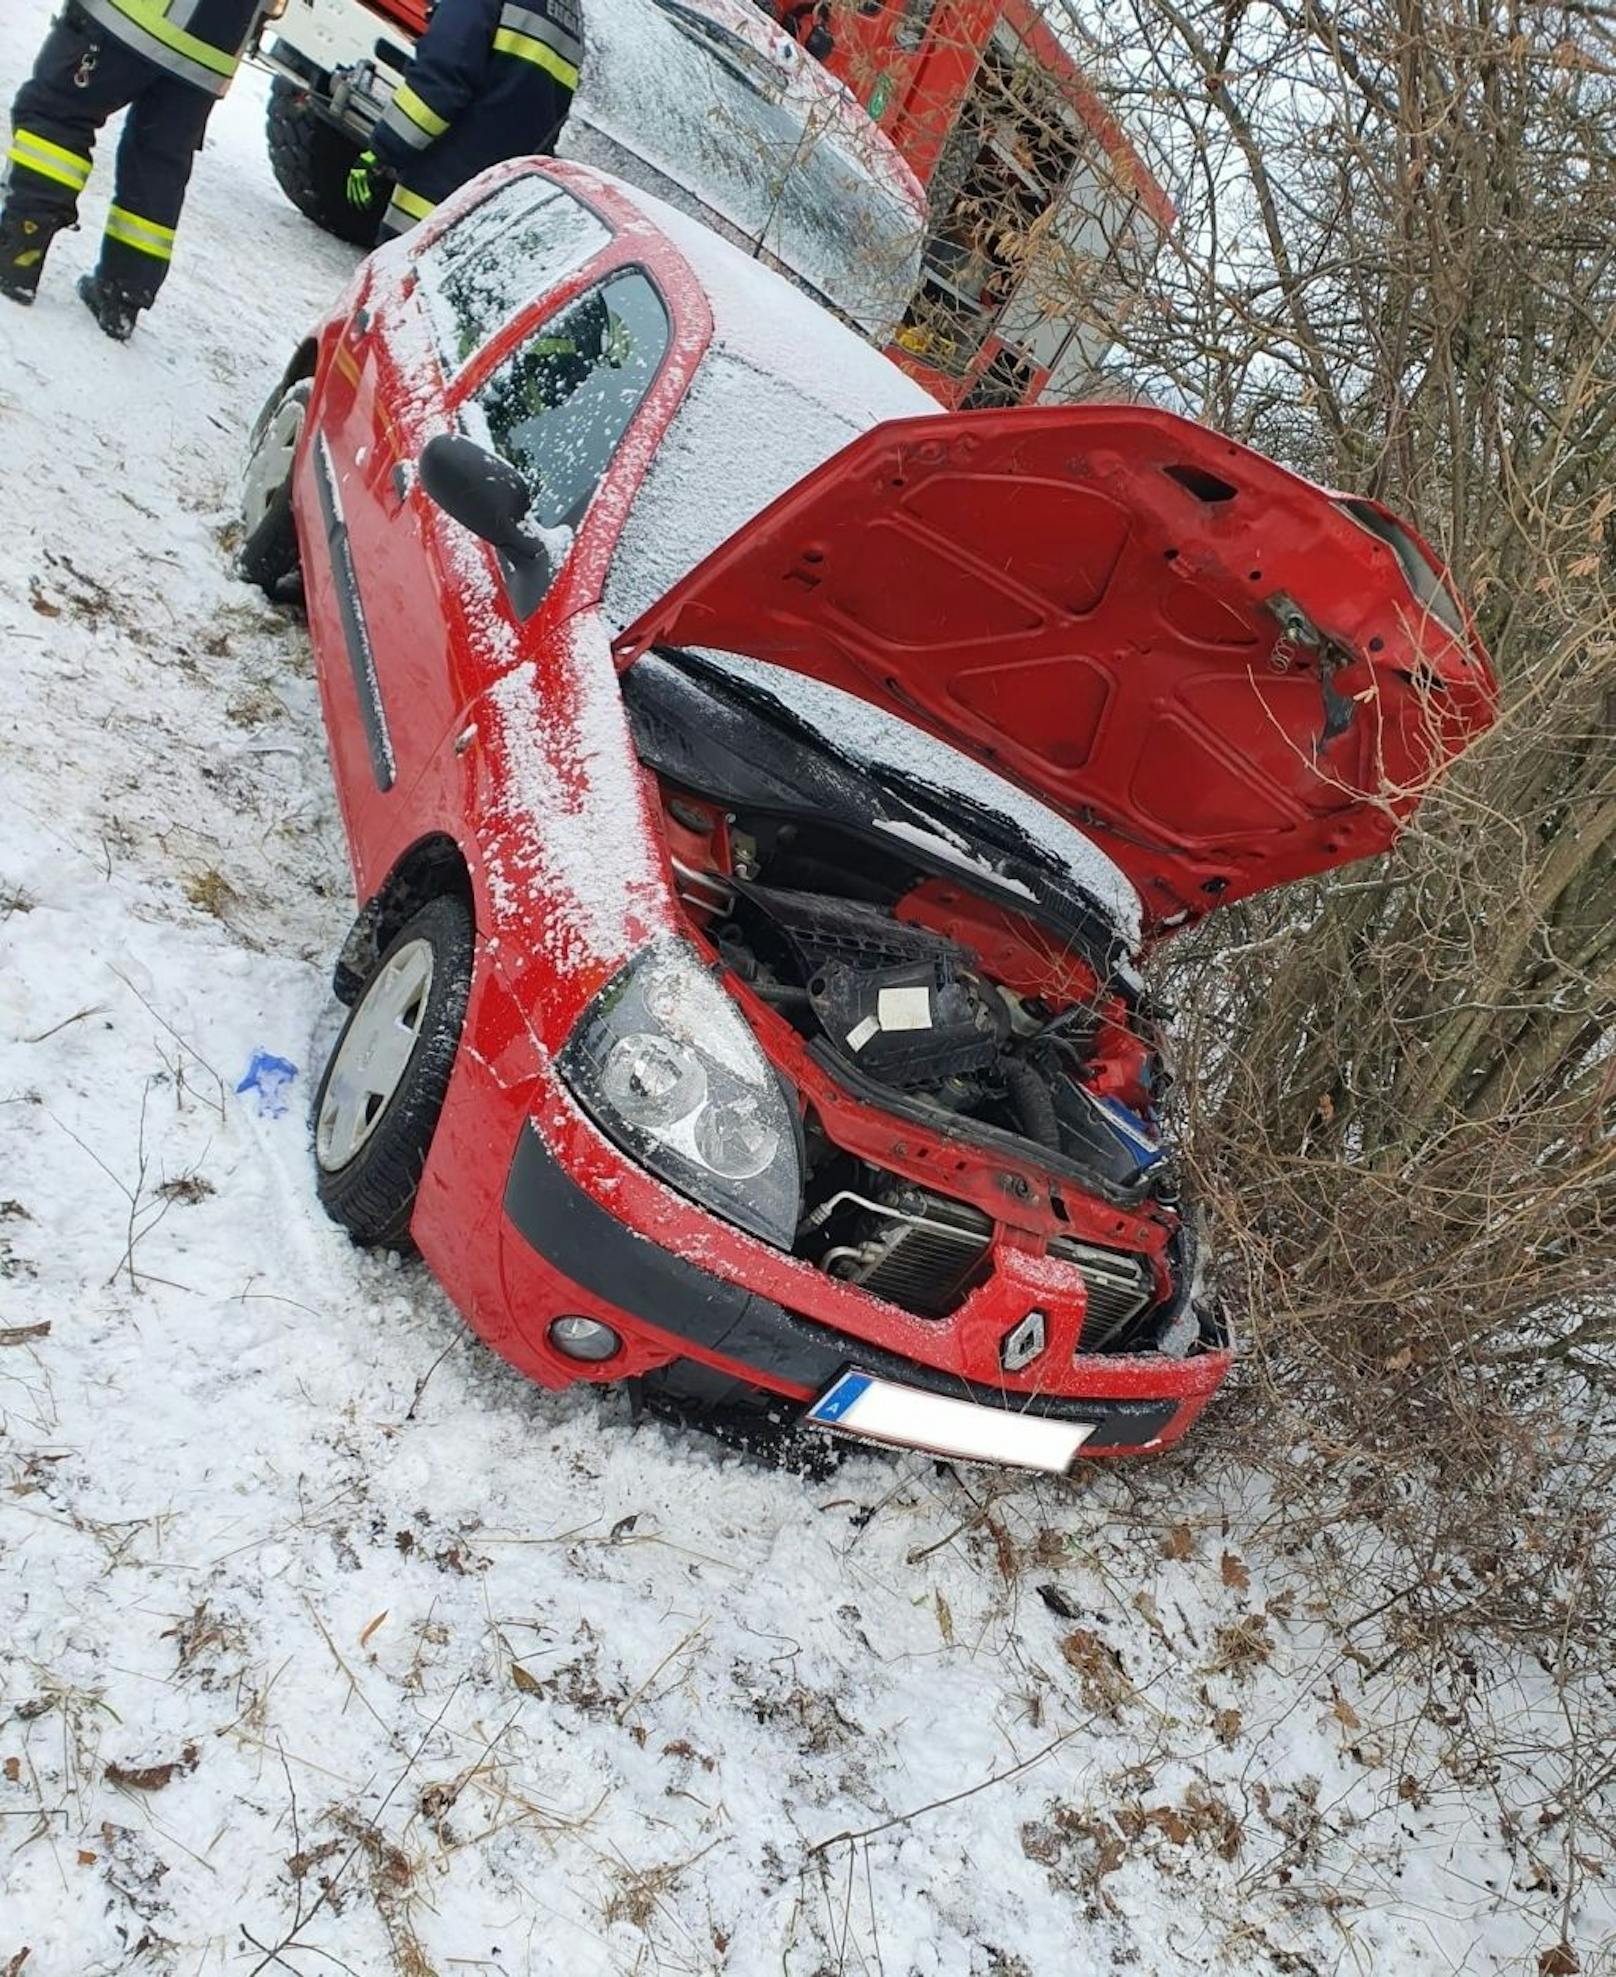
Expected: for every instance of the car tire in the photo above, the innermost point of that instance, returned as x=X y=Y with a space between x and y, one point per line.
x=311 y=160
x=384 y=1083
x=269 y=555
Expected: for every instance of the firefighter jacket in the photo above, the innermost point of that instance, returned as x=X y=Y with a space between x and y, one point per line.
x=197 y=41
x=490 y=80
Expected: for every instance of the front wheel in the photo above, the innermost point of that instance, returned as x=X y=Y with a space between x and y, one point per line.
x=269 y=556
x=385 y=1082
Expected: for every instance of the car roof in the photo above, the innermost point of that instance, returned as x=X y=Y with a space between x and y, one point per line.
x=764 y=319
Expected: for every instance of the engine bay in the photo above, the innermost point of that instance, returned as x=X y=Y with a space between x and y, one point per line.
x=935 y=979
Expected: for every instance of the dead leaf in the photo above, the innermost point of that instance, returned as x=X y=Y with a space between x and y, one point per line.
x=1058 y=1603
x=1399 y=1362
x=86 y=1858
x=1584 y=566
x=374 y=1624
x=152 y=1777
x=1326 y=1107
x=1102 y=1676
x=1178 y=1543
x=13 y=1770
x=623 y=1526
x=1226 y=1725
x=1345 y=1714
x=1561 y=1961
x=530 y=1685
x=1168 y=1822
x=1235 y=1573
x=14 y=1967
x=945 y=1619
x=25 y=1334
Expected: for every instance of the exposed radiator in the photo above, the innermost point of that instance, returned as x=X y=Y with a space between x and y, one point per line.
x=924 y=1262
x=1119 y=1286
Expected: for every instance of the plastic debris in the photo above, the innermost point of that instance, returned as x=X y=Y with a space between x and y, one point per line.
x=269 y=1076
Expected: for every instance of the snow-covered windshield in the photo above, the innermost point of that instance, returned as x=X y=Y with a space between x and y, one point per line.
x=727 y=117
x=781 y=389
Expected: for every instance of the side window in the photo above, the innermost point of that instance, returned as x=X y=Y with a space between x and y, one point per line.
x=558 y=407
x=504 y=253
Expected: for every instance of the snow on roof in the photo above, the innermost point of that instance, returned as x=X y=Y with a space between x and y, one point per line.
x=764 y=319
x=716 y=102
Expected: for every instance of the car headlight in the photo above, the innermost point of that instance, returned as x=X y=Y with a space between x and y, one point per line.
x=667 y=1067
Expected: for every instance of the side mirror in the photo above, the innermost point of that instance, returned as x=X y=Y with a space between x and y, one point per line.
x=820 y=43
x=487 y=495
x=478 y=490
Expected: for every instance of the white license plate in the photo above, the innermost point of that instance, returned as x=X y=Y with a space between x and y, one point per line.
x=905 y=1417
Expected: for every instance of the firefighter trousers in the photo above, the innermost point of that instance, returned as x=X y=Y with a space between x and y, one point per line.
x=84 y=76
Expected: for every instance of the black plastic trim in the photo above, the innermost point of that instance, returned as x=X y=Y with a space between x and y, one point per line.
x=355 y=630
x=571 y=1230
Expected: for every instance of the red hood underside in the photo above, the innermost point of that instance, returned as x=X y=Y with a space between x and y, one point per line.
x=1224 y=675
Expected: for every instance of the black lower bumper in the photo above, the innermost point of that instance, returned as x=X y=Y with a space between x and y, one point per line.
x=575 y=1234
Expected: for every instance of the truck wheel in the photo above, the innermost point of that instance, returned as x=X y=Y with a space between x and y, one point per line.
x=269 y=555
x=385 y=1082
x=311 y=160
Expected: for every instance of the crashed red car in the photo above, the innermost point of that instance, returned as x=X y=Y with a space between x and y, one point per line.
x=760 y=787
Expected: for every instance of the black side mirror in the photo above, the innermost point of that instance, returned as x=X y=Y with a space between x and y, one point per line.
x=821 y=43
x=487 y=495
x=479 y=490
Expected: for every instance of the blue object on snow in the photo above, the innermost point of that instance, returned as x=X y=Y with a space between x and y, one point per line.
x=269 y=1076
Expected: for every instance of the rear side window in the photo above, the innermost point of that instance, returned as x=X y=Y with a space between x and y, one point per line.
x=503 y=255
x=558 y=407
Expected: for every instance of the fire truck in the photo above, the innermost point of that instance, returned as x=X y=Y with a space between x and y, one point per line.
x=937 y=172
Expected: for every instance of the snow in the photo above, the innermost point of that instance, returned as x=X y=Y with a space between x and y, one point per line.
x=742 y=128
x=323 y=1636
x=600 y=894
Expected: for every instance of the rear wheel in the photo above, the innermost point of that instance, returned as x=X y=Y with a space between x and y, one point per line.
x=311 y=160
x=269 y=555
x=384 y=1085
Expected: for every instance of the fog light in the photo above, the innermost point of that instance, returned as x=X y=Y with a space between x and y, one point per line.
x=584 y=1338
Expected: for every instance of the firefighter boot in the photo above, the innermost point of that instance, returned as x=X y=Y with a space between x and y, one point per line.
x=112 y=307
x=23 y=246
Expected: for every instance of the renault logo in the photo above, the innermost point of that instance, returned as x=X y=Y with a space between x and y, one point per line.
x=1023 y=1343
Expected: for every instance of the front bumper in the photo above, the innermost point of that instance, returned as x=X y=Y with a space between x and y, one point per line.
x=751 y=1337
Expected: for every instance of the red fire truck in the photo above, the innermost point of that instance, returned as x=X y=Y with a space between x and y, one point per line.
x=1042 y=213
x=1004 y=210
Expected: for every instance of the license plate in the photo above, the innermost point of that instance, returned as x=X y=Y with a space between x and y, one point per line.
x=906 y=1417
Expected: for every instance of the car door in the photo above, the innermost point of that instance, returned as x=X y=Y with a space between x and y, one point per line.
x=418 y=644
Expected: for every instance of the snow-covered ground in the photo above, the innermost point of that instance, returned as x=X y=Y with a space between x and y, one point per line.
x=326 y=1643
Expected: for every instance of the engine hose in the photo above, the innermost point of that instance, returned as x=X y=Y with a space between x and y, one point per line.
x=1033 y=1101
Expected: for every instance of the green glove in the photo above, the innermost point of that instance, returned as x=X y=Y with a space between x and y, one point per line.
x=362 y=180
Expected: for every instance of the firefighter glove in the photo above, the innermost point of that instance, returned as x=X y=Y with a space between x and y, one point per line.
x=362 y=180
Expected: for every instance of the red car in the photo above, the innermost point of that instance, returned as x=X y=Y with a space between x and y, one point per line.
x=760 y=786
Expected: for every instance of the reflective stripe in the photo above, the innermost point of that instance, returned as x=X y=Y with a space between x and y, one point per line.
x=145 y=236
x=543 y=27
x=419 y=111
x=143 y=26
x=412 y=119
x=526 y=49
x=405 y=208
x=52 y=161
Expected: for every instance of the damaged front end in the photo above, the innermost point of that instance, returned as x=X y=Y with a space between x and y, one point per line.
x=977 y=1067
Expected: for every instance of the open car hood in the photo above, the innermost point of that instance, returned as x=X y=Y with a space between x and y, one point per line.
x=1225 y=676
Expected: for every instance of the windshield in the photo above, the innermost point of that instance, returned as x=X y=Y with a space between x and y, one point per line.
x=725 y=109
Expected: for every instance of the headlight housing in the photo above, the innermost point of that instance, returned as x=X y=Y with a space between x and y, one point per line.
x=666 y=1065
